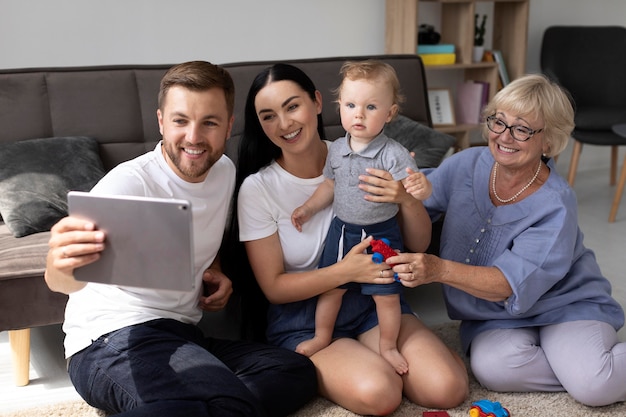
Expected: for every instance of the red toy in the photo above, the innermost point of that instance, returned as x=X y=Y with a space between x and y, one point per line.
x=435 y=414
x=382 y=251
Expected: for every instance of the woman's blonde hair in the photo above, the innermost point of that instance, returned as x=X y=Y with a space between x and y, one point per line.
x=536 y=95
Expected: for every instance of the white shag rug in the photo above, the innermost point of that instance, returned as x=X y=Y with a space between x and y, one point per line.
x=519 y=404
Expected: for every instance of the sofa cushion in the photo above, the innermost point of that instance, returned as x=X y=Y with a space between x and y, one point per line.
x=429 y=145
x=35 y=176
x=22 y=258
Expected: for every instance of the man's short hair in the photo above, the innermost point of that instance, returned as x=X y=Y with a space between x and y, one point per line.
x=198 y=76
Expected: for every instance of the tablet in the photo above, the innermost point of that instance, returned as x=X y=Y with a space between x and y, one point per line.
x=148 y=243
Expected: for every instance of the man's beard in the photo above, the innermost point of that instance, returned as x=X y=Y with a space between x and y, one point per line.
x=194 y=170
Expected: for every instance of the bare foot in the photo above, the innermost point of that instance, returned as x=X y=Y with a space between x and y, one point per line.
x=312 y=346
x=395 y=358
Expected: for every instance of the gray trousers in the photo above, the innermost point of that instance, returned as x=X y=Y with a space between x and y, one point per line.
x=584 y=358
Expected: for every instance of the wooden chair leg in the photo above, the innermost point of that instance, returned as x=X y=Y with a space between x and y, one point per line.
x=573 y=165
x=20 y=349
x=618 y=193
x=614 y=153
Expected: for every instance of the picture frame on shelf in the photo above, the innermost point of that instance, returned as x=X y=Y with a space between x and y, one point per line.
x=441 y=107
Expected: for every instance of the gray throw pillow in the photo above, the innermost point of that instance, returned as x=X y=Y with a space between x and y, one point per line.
x=429 y=145
x=35 y=176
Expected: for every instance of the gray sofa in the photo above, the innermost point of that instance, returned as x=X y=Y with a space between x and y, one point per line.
x=113 y=110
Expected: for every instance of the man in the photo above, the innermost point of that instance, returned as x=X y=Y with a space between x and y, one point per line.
x=138 y=351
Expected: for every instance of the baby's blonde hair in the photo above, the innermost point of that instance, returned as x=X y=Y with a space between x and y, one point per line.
x=372 y=70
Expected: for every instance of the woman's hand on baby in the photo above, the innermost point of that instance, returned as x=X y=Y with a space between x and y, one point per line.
x=381 y=187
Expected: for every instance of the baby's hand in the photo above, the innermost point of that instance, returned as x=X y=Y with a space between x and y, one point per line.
x=300 y=216
x=417 y=185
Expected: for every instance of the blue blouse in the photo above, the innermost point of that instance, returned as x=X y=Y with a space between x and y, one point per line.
x=536 y=243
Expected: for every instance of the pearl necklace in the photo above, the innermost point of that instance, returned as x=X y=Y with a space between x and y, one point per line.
x=517 y=194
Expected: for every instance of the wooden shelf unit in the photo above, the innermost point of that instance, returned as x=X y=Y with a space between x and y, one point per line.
x=509 y=35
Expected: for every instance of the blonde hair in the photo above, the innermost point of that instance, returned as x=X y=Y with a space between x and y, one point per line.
x=536 y=95
x=372 y=70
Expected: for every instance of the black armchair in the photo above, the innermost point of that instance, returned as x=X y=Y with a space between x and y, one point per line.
x=590 y=62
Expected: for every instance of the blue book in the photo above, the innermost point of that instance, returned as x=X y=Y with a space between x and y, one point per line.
x=504 y=74
x=444 y=48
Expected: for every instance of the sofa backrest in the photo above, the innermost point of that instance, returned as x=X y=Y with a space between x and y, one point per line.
x=325 y=75
x=117 y=104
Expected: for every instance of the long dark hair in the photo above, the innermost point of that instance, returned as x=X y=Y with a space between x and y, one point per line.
x=256 y=151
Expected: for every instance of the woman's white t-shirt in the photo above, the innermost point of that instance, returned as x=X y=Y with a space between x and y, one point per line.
x=266 y=201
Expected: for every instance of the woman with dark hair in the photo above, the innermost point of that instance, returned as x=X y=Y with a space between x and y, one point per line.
x=282 y=154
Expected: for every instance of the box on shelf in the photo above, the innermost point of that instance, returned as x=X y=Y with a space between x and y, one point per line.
x=442 y=48
x=438 y=59
x=439 y=54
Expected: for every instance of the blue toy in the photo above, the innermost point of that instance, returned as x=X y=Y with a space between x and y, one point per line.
x=486 y=408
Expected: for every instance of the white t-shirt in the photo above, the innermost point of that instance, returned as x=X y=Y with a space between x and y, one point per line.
x=98 y=309
x=266 y=201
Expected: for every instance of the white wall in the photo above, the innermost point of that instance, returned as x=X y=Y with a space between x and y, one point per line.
x=40 y=33
x=35 y=33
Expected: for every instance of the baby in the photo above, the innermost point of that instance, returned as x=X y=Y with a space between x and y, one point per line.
x=368 y=98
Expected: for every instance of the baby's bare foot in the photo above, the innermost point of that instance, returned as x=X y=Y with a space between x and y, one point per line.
x=312 y=346
x=395 y=358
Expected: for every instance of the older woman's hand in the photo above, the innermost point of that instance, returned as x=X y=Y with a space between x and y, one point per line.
x=416 y=269
x=486 y=282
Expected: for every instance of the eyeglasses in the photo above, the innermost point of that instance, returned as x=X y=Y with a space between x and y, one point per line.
x=518 y=132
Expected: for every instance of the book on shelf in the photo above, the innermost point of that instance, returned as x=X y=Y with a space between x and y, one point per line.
x=504 y=75
x=489 y=57
x=438 y=59
x=471 y=97
x=485 y=98
x=442 y=48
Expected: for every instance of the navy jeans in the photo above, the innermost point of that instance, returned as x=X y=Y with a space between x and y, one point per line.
x=168 y=368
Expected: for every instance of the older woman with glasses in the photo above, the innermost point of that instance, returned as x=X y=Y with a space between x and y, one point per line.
x=537 y=313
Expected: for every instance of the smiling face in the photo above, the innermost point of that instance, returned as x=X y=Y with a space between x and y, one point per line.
x=288 y=116
x=365 y=106
x=195 y=126
x=513 y=154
